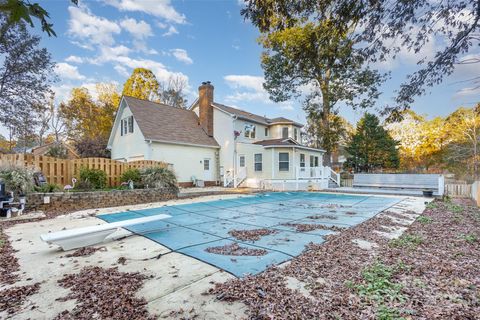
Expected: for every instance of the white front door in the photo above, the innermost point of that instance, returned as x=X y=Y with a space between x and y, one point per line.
x=207 y=170
x=241 y=162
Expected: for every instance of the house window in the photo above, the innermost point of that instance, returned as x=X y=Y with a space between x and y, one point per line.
x=258 y=162
x=283 y=161
x=242 y=161
x=206 y=164
x=295 y=134
x=302 y=160
x=285 y=132
x=266 y=132
x=249 y=130
x=126 y=125
x=316 y=161
x=130 y=124
x=312 y=161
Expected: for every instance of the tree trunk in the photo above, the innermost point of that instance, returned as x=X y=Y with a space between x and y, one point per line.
x=324 y=87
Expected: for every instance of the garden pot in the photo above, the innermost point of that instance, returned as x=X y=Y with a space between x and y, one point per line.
x=428 y=193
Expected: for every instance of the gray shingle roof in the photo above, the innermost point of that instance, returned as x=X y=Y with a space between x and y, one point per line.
x=254 y=117
x=160 y=122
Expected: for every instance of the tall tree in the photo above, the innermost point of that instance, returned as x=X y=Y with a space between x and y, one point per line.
x=464 y=133
x=318 y=53
x=386 y=27
x=371 y=147
x=25 y=77
x=142 y=84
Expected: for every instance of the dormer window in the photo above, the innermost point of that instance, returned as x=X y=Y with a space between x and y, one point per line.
x=285 y=132
x=295 y=134
x=266 y=132
x=249 y=130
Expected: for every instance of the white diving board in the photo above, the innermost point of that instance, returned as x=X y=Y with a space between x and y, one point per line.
x=87 y=236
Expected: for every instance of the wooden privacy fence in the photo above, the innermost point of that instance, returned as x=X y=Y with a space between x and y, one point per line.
x=61 y=171
x=458 y=190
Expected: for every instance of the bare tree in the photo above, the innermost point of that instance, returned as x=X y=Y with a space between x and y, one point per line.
x=172 y=92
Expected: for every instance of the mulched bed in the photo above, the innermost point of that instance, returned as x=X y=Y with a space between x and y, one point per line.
x=305 y=227
x=435 y=279
x=12 y=299
x=84 y=252
x=104 y=294
x=235 y=249
x=322 y=216
x=251 y=235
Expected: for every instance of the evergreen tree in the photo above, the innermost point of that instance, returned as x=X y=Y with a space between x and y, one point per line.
x=371 y=147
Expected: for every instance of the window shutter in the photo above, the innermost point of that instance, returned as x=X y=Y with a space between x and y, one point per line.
x=130 y=124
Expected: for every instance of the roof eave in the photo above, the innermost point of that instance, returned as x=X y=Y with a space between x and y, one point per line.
x=293 y=146
x=183 y=143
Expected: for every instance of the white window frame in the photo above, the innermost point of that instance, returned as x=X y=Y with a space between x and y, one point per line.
x=256 y=162
x=266 y=132
x=283 y=130
x=302 y=163
x=249 y=130
x=280 y=161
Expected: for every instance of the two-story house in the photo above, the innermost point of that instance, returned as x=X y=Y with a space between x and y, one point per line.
x=218 y=144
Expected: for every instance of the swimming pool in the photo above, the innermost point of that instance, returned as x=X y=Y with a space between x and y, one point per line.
x=290 y=218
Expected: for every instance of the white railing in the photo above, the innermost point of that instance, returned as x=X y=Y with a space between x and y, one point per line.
x=318 y=173
x=241 y=175
x=335 y=177
x=310 y=173
x=228 y=178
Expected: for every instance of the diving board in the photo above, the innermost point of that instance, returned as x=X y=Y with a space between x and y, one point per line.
x=87 y=236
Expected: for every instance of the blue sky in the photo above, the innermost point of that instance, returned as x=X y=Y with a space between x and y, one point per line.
x=103 y=40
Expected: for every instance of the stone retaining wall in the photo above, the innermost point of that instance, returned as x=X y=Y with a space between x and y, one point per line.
x=64 y=202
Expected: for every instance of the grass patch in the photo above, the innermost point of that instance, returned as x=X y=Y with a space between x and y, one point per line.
x=432 y=205
x=470 y=238
x=424 y=219
x=406 y=241
x=378 y=286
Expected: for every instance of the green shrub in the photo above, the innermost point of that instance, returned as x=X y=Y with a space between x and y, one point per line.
x=131 y=174
x=91 y=179
x=57 y=151
x=18 y=180
x=158 y=177
x=49 y=187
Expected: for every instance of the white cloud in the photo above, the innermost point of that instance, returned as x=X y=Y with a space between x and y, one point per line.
x=138 y=29
x=181 y=55
x=67 y=71
x=245 y=81
x=171 y=31
x=247 y=88
x=159 y=8
x=86 y=26
x=122 y=70
x=74 y=59
x=250 y=88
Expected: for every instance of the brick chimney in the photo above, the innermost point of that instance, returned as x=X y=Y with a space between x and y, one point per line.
x=205 y=100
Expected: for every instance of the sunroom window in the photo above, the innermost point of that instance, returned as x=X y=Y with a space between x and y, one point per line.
x=283 y=161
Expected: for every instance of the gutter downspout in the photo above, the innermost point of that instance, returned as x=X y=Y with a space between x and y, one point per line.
x=149 y=150
x=234 y=153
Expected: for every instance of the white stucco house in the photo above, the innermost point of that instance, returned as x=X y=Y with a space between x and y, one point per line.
x=218 y=144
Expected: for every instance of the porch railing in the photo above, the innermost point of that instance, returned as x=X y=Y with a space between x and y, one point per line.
x=318 y=173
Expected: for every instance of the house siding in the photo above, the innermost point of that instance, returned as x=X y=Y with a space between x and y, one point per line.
x=129 y=147
x=187 y=160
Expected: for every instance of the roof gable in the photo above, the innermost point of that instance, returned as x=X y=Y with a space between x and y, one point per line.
x=163 y=123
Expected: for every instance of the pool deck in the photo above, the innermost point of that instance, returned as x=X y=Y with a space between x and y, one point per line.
x=177 y=282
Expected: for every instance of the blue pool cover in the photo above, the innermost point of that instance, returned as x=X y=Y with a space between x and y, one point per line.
x=195 y=227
